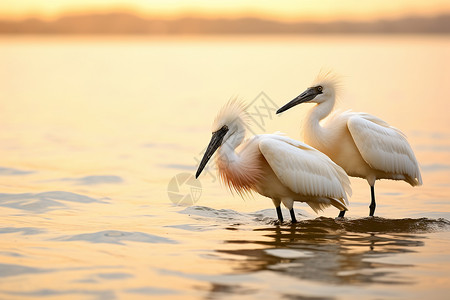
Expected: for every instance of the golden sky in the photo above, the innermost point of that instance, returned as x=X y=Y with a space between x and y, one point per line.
x=289 y=10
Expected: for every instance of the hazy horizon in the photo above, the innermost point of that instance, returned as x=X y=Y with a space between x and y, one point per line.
x=124 y=22
x=193 y=15
x=283 y=10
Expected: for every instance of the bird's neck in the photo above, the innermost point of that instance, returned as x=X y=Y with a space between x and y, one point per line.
x=228 y=148
x=314 y=133
x=241 y=170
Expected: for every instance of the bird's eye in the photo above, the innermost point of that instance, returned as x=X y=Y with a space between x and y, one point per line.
x=319 y=88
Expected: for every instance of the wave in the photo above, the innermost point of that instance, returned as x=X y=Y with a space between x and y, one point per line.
x=360 y=225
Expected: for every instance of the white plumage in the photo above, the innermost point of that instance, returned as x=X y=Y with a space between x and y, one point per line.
x=274 y=165
x=363 y=145
x=303 y=169
x=384 y=148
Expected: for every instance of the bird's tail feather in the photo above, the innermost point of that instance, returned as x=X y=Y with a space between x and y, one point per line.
x=414 y=181
x=322 y=203
x=339 y=204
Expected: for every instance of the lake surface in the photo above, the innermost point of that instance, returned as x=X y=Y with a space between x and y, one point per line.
x=99 y=138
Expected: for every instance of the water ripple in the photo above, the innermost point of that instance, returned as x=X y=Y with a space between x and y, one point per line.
x=23 y=230
x=102 y=294
x=151 y=291
x=117 y=237
x=13 y=172
x=43 y=202
x=114 y=276
x=363 y=225
x=7 y=270
x=435 y=167
x=178 y=167
x=264 y=216
x=95 y=179
x=347 y=251
x=377 y=224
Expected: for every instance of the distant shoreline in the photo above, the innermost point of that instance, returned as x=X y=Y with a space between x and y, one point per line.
x=130 y=24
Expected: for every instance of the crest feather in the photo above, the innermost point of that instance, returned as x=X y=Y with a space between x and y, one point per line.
x=329 y=79
x=233 y=111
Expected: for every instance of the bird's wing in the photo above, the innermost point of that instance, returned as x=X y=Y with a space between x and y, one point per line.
x=383 y=147
x=303 y=169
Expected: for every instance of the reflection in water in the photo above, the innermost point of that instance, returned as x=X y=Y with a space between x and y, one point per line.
x=334 y=251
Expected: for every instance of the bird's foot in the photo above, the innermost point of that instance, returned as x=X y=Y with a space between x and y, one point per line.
x=278 y=222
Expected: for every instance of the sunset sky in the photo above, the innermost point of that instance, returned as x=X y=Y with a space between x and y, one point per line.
x=288 y=10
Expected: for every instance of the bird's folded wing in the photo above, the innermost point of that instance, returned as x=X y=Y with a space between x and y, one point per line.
x=303 y=169
x=383 y=147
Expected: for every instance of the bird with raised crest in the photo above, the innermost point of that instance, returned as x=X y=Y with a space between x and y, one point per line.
x=363 y=145
x=273 y=165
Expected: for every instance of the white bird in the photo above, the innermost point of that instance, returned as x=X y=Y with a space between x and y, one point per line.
x=273 y=165
x=364 y=145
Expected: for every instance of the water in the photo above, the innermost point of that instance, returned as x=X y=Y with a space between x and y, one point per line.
x=93 y=130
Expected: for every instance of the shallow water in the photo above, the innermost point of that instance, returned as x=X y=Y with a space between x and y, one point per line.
x=99 y=138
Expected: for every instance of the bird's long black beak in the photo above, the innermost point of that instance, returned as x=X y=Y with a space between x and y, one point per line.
x=306 y=96
x=214 y=144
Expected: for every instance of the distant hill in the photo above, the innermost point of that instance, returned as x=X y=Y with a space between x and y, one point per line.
x=125 y=23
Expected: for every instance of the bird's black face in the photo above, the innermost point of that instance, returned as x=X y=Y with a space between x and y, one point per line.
x=306 y=96
x=214 y=144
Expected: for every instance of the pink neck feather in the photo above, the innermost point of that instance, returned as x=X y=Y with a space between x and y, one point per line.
x=241 y=171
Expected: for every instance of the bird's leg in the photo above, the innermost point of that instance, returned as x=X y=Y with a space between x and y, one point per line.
x=277 y=203
x=341 y=214
x=289 y=203
x=280 y=215
x=372 y=203
x=294 y=220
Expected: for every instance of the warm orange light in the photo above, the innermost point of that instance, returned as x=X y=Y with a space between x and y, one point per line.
x=288 y=10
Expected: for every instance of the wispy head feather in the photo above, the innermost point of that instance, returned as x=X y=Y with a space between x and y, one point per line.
x=329 y=79
x=233 y=111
